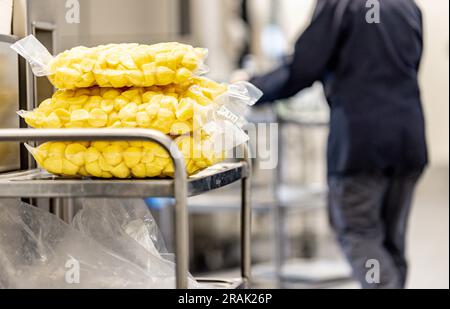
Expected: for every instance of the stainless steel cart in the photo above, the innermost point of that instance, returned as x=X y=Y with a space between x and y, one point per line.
x=288 y=197
x=36 y=183
x=308 y=198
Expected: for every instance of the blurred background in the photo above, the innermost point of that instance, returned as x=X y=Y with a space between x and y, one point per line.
x=292 y=243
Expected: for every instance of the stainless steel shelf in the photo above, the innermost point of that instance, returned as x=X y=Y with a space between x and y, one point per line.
x=298 y=198
x=301 y=117
x=37 y=183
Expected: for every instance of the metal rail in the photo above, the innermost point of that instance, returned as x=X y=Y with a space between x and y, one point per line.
x=246 y=220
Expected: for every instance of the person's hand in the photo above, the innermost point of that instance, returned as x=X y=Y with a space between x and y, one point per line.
x=239 y=76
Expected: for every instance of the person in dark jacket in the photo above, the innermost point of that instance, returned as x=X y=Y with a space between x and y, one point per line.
x=377 y=147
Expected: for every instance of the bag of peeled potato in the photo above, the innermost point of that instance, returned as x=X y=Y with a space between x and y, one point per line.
x=114 y=65
x=222 y=131
x=103 y=159
x=173 y=109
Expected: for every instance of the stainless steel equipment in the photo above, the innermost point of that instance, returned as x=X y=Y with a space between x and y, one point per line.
x=34 y=184
x=140 y=21
x=9 y=102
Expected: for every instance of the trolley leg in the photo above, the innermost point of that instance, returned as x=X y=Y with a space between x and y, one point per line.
x=55 y=207
x=181 y=233
x=280 y=243
x=68 y=211
x=278 y=213
x=246 y=221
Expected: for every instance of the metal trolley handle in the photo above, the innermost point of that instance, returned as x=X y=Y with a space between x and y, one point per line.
x=180 y=185
x=180 y=176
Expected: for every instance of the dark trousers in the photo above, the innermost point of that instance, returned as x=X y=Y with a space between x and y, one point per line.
x=369 y=215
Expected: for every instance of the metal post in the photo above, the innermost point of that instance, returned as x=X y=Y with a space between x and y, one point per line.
x=181 y=229
x=246 y=220
x=278 y=214
x=55 y=207
x=68 y=209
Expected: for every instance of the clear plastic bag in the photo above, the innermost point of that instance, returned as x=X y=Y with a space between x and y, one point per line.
x=168 y=109
x=111 y=244
x=218 y=128
x=36 y=54
x=225 y=127
x=115 y=65
x=121 y=159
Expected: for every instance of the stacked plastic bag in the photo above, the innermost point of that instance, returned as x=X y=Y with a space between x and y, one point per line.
x=134 y=86
x=111 y=244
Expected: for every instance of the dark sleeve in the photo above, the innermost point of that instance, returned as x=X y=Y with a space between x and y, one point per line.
x=313 y=51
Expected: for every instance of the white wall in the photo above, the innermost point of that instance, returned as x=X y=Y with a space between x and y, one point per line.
x=295 y=16
x=435 y=77
x=211 y=21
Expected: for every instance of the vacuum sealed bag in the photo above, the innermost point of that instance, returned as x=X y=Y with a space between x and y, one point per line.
x=110 y=244
x=121 y=159
x=221 y=130
x=114 y=65
x=169 y=109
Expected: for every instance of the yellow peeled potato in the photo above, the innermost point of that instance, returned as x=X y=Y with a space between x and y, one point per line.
x=169 y=109
x=54 y=165
x=126 y=65
x=68 y=168
x=93 y=169
x=75 y=154
x=103 y=159
x=91 y=155
x=98 y=118
x=113 y=155
x=121 y=171
x=132 y=156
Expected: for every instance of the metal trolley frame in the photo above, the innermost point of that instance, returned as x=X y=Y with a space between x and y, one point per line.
x=36 y=184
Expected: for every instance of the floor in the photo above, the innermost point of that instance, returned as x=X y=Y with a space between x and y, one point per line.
x=428 y=244
x=429 y=232
x=428 y=236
